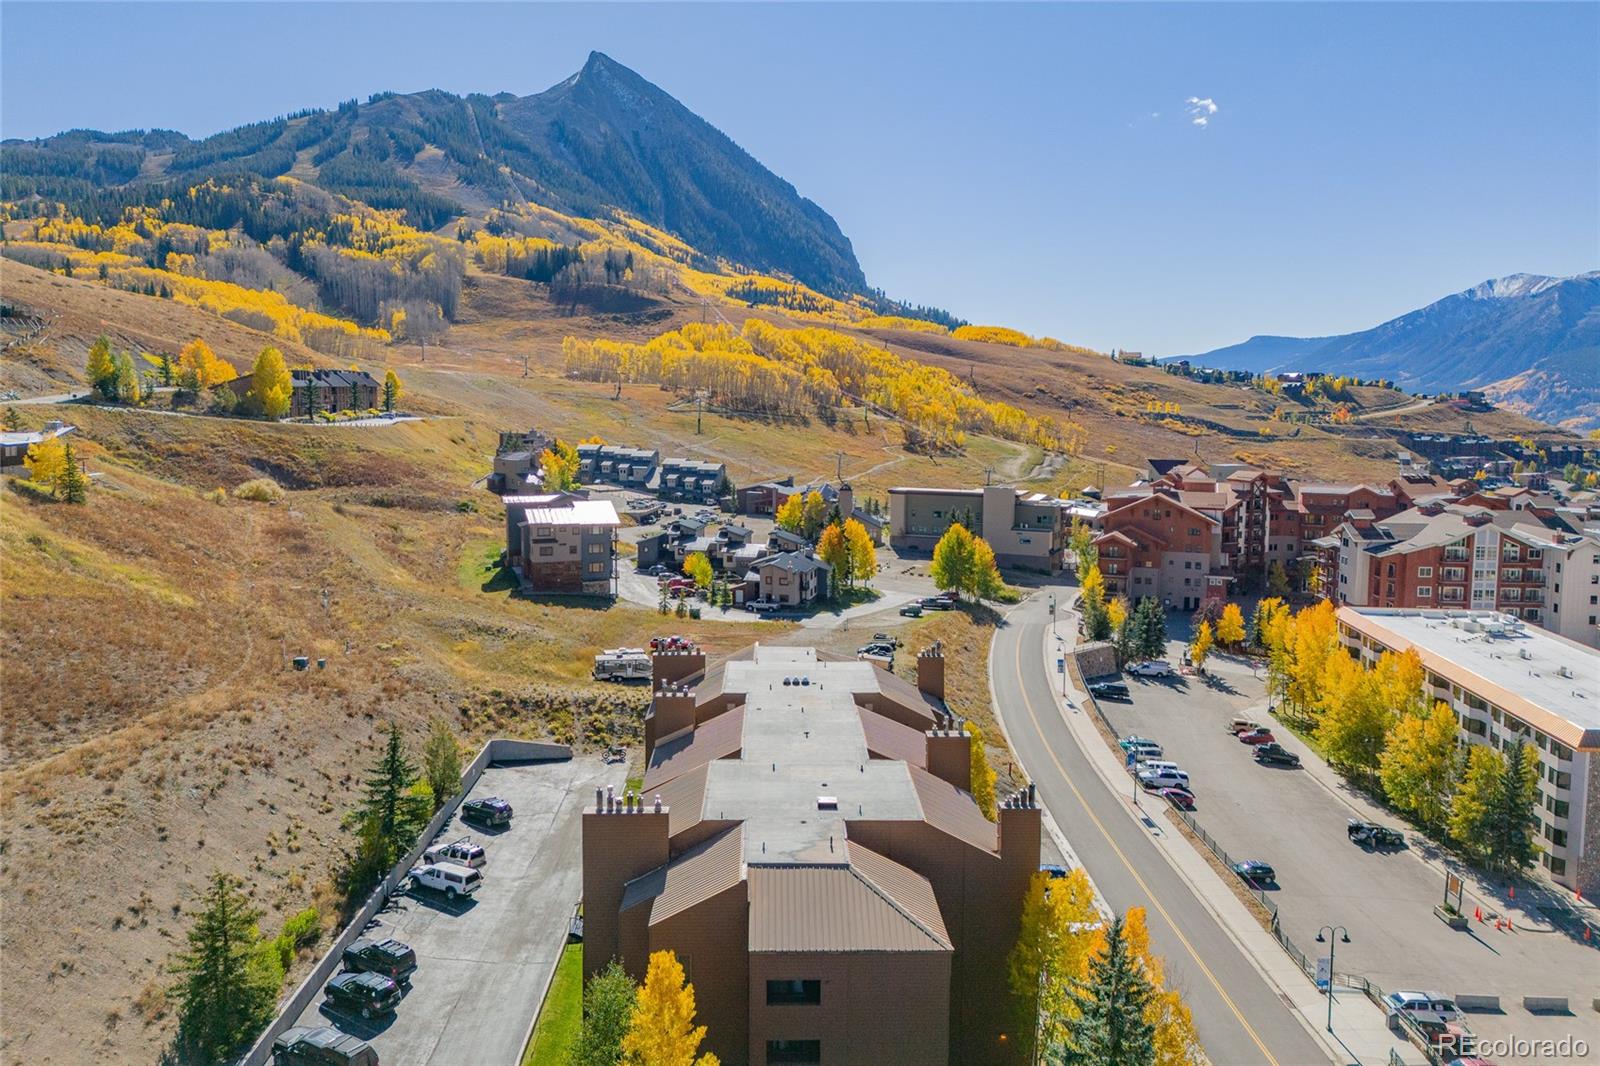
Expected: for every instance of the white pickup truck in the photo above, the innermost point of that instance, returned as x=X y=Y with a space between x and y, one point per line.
x=447 y=877
x=462 y=852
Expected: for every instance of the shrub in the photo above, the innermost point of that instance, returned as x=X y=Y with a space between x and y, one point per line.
x=218 y=495
x=261 y=489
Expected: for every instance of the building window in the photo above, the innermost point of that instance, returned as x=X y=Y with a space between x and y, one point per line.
x=1557 y=866
x=546 y=549
x=1425 y=592
x=808 y=993
x=1424 y=571
x=794 y=1051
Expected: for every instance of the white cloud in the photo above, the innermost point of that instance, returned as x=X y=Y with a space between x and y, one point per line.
x=1200 y=109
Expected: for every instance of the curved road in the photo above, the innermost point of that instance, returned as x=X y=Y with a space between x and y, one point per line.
x=1241 y=1019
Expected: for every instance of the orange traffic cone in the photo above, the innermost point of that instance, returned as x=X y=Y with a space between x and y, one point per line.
x=1499 y=923
x=1513 y=891
x=1508 y=926
x=1587 y=934
x=1477 y=914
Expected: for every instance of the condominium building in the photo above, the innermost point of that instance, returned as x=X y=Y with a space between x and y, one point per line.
x=558 y=543
x=1529 y=562
x=1027 y=530
x=806 y=843
x=629 y=467
x=1508 y=681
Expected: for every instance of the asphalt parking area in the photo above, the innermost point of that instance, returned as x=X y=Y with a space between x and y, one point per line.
x=483 y=962
x=1286 y=818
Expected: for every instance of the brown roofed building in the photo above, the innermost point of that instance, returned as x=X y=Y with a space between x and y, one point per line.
x=806 y=845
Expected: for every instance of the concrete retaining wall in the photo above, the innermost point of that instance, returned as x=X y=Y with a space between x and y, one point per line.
x=495 y=751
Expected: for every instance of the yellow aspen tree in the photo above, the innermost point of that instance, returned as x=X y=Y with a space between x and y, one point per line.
x=1117 y=611
x=271 y=386
x=833 y=550
x=983 y=775
x=1201 y=646
x=661 y=1031
x=863 y=554
x=791 y=514
x=46 y=462
x=1230 y=627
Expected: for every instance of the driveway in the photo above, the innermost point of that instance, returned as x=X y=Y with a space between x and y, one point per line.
x=483 y=964
x=1287 y=818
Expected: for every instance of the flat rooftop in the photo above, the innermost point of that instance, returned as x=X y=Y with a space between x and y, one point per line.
x=801 y=743
x=1519 y=667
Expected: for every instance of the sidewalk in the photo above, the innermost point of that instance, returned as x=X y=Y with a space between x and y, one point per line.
x=1360 y=1035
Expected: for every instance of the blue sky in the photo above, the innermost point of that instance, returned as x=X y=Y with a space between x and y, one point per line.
x=1032 y=165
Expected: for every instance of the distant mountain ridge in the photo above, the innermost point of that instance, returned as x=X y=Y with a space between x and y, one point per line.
x=604 y=137
x=1531 y=341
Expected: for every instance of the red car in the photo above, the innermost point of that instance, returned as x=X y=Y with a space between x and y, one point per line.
x=1256 y=736
x=1180 y=798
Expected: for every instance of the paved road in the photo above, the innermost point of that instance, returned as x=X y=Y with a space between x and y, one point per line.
x=482 y=965
x=1240 y=1017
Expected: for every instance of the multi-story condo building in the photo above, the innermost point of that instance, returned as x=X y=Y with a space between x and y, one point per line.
x=1508 y=681
x=1027 y=530
x=1470 y=556
x=806 y=843
x=558 y=543
x=629 y=467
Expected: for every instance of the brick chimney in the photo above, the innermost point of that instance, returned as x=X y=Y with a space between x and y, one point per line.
x=949 y=753
x=623 y=837
x=671 y=712
x=847 y=501
x=930 y=671
x=1021 y=829
x=675 y=664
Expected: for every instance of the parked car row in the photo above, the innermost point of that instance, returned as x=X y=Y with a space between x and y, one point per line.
x=1165 y=778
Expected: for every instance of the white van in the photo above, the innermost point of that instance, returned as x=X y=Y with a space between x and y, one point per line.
x=1163 y=779
x=1156 y=766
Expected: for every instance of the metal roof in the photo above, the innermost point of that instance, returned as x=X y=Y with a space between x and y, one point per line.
x=888 y=739
x=951 y=811
x=574 y=513
x=715 y=738
x=704 y=871
x=834 y=908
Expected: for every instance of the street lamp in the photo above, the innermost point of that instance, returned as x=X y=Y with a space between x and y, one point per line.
x=1344 y=938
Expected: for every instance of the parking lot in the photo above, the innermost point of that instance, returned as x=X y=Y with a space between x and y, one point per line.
x=1288 y=819
x=483 y=962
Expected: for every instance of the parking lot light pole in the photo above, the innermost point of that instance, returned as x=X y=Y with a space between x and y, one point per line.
x=1344 y=936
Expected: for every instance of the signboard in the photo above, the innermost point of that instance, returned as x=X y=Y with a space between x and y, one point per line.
x=1061 y=666
x=1129 y=756
x=1452 y=890
x=1324 y=973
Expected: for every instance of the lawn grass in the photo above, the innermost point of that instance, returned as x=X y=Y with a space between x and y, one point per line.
x=561 y=1015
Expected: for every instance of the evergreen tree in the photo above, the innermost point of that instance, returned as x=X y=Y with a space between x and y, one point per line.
x=608 y=1001
x=1513 y=819
x=13 y=421
x=224 y=994
x=313 y=399
x=1149 y=629
x=1112 y=1027
x=166 y=368
x=73 y=485
x=398 y=814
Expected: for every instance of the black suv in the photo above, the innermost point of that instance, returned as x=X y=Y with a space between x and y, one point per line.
x=321 y=1046
x=490 y=811
x=369 y=994
x=1109 y=690
x=389 y=957
x=1371 y=834
x=1273 y=754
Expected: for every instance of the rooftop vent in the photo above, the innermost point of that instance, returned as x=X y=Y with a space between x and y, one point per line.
x=827 y=803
